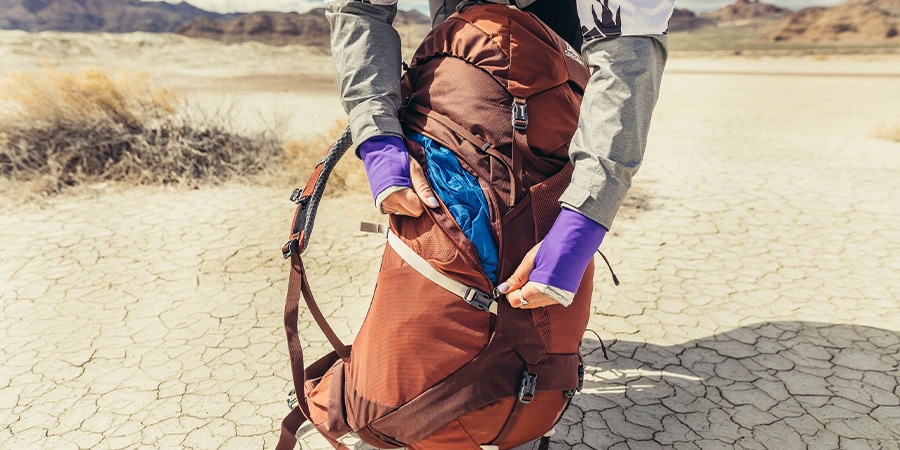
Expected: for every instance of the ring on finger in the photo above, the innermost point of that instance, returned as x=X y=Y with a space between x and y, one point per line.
x=522 y=301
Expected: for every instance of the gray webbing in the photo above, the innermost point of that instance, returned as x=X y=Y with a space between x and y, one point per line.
x=330 y=160
x=423 y=267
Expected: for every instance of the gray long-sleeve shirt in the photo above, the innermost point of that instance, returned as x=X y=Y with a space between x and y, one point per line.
x=624 y=46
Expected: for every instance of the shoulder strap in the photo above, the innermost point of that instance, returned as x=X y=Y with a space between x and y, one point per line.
x=304 y=217
x=308 y=199
x=301 y=229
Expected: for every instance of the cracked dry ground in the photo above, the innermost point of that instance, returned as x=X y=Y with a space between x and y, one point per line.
x=759 y=304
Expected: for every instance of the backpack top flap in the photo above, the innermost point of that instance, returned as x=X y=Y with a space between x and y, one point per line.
x=513 y=46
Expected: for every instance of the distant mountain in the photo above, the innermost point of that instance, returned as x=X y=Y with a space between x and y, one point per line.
x=276 y=28
x=413 y=17
x=748 y=21
x=684 y=20
x=115 y=16
x=854 y=21
x=891 y=6
x=744 y=10
x=273 y=28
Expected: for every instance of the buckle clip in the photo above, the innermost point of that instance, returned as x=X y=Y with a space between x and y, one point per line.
x=290 y=248
x=292 y=400
x=298 y=197
x=478 y=299
x=520 y=116
x=571 y=392
x=527 y=387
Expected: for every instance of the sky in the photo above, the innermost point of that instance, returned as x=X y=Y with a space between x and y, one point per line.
x=228 y=6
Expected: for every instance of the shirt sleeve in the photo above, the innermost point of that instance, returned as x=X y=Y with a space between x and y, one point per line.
x=366 y=53
x=608 y=146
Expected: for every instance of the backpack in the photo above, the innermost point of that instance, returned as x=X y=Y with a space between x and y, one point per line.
x=442 y=361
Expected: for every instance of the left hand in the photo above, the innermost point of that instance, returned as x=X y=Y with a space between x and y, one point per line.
x=517 y=284
x=411 y=202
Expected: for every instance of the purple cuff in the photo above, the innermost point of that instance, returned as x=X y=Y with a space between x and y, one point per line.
x=386 y=162
x=566 y=251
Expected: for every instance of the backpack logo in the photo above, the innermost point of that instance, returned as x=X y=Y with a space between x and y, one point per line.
x=572 y=54
x=605 y=25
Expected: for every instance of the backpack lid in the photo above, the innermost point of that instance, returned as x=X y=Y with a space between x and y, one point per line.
x=513 y=46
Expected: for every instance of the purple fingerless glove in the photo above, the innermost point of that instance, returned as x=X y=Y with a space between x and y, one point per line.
x=566 y=251
x=386 y=161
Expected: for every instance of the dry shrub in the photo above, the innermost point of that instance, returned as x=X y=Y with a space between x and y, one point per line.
x=891 y=133
x=301 y=157
x=68 y=128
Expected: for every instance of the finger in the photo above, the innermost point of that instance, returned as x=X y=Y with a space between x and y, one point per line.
x=404 y=202
x=420 y=184
x=410 y=205
x=532 y=296
x=520 y=276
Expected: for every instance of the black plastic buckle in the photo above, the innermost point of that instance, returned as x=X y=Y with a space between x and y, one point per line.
x=520 y=116
x=479 y=299
x=292 y=400
x=290 y=248
x=297 y=196
x=527 y=387
x=571 y=392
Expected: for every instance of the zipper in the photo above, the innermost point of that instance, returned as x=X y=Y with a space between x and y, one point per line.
x=492 y=207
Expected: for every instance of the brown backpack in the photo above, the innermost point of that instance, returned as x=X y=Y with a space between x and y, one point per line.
x=442 y=361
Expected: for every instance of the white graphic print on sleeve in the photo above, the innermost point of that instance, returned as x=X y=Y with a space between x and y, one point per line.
x=603 y=18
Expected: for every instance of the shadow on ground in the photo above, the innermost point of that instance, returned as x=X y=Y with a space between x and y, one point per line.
x=774 y=385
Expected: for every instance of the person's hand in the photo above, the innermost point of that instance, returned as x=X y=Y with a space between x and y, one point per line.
x=517 y=287
x=397 y=181
x=551 y=272
x=411 y=202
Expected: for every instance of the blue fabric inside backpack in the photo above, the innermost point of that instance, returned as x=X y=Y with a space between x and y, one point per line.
x=461 y=193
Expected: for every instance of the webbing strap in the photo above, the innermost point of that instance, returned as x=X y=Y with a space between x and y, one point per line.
x=470 y=295
x=297 y=270
x=289 y=427
x=520 y=139
x=545 y=443
x=308 y=199
x=449 y=123
x=301 y=229
x=297 y=286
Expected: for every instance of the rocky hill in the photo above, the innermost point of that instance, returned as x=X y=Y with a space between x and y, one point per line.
x=684 y=20
x=116 y=16
x=310 y=28
x=743 y=24
x=745 y=10
x=891 y=6
x=854 y=21
x=267 y=27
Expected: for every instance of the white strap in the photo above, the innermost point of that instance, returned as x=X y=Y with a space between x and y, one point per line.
x=495 y=447
x=471 y=295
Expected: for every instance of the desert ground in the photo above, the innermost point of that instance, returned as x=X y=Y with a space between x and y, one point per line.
x=758 y=253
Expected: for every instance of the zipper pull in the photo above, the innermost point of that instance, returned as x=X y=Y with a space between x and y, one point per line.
x=614 y=277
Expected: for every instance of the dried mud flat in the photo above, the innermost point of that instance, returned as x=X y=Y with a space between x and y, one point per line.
x=758 y=257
